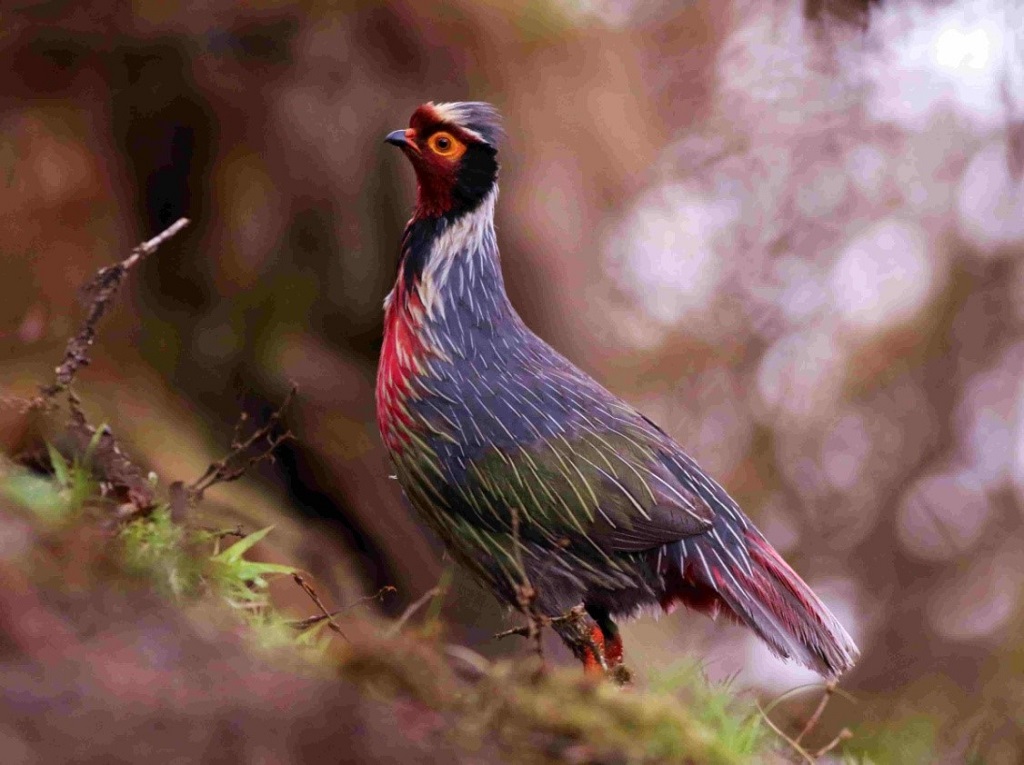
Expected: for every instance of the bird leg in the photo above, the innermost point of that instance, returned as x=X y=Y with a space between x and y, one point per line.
x=594 y=639
x=582 y=635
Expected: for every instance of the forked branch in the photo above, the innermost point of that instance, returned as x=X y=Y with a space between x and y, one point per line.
x=245 y=453
x=100 y=292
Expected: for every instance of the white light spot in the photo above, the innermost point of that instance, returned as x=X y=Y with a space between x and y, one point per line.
x=942 y=516
x=955 y=48
x=802 y=292
x=990 y=201
x=725 y=430
x=823 y=192
x=1018 y=449
x=867 y=166
x=958 y=56
x=665 y=256
x=883 y=278
x=977 y=602
x=800 y=377
x=985 y=418
x=845 y=451
x=777 y=522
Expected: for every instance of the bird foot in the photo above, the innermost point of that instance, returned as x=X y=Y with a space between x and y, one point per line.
x=600 y=654
x=600 y=649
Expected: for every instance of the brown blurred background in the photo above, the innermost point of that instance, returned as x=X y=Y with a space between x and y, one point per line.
x=791 y=232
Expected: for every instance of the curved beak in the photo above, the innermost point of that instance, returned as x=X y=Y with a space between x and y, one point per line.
x=397 y=138
x=404 y=140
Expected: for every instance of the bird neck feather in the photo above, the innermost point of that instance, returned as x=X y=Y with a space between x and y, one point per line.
x=449 y=273
x=442 y=256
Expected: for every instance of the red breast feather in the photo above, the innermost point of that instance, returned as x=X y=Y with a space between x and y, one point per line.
x=400 y=360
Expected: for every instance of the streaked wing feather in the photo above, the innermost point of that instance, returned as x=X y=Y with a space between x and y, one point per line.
x=618 y=491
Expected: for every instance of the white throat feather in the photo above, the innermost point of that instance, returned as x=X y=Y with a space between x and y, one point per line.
x=468 y=237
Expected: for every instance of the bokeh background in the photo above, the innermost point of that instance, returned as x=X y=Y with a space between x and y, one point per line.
x=791 y=232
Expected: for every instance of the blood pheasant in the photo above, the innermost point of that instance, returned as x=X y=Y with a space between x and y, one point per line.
x=527 y=468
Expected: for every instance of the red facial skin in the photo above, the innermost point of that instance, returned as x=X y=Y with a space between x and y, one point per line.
x=436 y=175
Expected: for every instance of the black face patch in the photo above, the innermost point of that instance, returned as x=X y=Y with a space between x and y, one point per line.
x=476 y=176
x=419 y=238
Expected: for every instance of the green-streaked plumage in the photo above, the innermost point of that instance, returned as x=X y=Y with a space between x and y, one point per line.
x=587 y=496
x=527 y=468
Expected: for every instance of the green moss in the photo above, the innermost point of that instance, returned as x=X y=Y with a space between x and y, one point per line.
x=52 y=499
x=907 y=739
x=737 y=722
x=561 y=715
x=605 y=722
x=156 y=546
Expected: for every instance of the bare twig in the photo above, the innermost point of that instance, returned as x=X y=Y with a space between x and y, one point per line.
x=804 y=754
x=575 y=625
x=18 y=404
x=844 y=735
x=787 y=694
x=324 y=613
x=236 y=463
x=219 y=534
x=444 y=581
x=101 y=291
x=411 y=610
x=576 y=613
x=526 y=595
x=310 y=621
x=387 y=589
x=115 y=470
x=831 y=689
x=813 y=720
x=521 y=631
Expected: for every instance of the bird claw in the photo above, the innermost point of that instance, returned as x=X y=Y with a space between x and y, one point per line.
x=588 y=643
x=584 y=638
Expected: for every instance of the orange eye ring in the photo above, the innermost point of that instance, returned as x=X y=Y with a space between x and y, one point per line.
x=446 y=145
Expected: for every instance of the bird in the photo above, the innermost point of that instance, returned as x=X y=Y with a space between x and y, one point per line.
x=536 y=478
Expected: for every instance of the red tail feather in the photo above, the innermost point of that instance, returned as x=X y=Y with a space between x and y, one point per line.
x=755 y=586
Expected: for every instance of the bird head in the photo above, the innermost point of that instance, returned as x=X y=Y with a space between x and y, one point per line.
x=453 y=148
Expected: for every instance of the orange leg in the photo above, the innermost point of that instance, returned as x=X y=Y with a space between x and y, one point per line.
x=613 y=649
x=595 y=664
x=594 y=639
x=605 y=639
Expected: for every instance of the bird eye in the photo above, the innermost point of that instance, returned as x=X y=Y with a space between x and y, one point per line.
x=445 y=145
